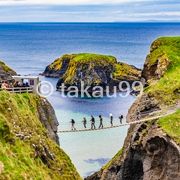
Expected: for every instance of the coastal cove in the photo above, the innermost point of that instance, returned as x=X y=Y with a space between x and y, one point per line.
x=29 y=48
x=88 y=150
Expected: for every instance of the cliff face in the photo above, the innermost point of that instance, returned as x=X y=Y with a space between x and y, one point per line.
x=28 y=138
x=5 y=71
x=27 y=148
x=92 y=69
x=48 y=118
x=151 y=150
x=158 y=61
x=148 y=154
x=45 y=111
x=162 y=70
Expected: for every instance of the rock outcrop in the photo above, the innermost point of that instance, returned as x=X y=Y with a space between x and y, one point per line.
x=48 y=118
x=5 y=72
x=92 y=69
x=148 y=154
x=151 y=150
x=157 y=62
x=143 y=106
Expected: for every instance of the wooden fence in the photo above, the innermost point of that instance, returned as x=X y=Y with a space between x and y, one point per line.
x=19 y=89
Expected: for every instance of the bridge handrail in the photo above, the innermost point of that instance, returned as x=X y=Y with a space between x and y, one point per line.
x=18 y=89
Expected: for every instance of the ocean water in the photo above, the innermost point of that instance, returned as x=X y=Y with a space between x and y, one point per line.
x=30 y=47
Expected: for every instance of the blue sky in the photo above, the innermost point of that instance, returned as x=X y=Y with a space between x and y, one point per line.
x=89 y=10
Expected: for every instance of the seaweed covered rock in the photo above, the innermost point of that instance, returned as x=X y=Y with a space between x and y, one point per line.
x=92 y=69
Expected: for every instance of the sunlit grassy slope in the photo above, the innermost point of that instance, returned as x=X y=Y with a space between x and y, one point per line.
x=26 y=152
x=167 y=89
x=171 y=125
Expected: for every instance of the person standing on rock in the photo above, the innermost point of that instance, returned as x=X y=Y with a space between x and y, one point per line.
x=73 y=125
x=101 y=122
x=111 y=120
x=84 y=122
x=93 y=123
x=121 y=118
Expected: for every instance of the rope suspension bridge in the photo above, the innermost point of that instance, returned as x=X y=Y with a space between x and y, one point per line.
x=31 y=90
x=116 y=126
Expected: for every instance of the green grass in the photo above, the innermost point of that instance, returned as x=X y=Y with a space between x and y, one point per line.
x=57 y=64
x=5 y=67
x=171 y=125
x=82 y=58
x=167 y=89
x=125 y=71
x=94 y=58
x=19 y=115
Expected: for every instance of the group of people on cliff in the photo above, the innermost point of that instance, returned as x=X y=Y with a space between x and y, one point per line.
x=93 y=122
x=8 y=85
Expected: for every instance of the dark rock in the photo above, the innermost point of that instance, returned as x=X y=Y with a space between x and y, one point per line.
x=144 y=105
x=48 y=119
x=153 y=156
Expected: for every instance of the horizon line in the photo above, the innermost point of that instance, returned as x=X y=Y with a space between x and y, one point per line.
x=91 y=22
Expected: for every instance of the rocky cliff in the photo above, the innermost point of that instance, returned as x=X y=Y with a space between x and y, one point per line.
x=5 y=71
x=92 y=69
x=46 y=112
x=27 y=135
x=151 y=150
x=48 y=118
x=28 y=140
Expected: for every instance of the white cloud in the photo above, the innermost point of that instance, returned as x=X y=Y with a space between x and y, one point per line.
x=65 y=2
x=170 y=13
x=144 y=11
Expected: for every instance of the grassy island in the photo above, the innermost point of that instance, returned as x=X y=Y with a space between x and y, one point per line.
x=93 y=69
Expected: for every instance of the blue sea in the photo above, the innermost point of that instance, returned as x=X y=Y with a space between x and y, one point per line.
x=30 y=47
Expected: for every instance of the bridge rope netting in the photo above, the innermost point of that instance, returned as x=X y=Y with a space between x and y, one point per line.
x=116 y=126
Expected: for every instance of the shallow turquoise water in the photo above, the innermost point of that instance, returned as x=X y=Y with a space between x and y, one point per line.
x=89 y=151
